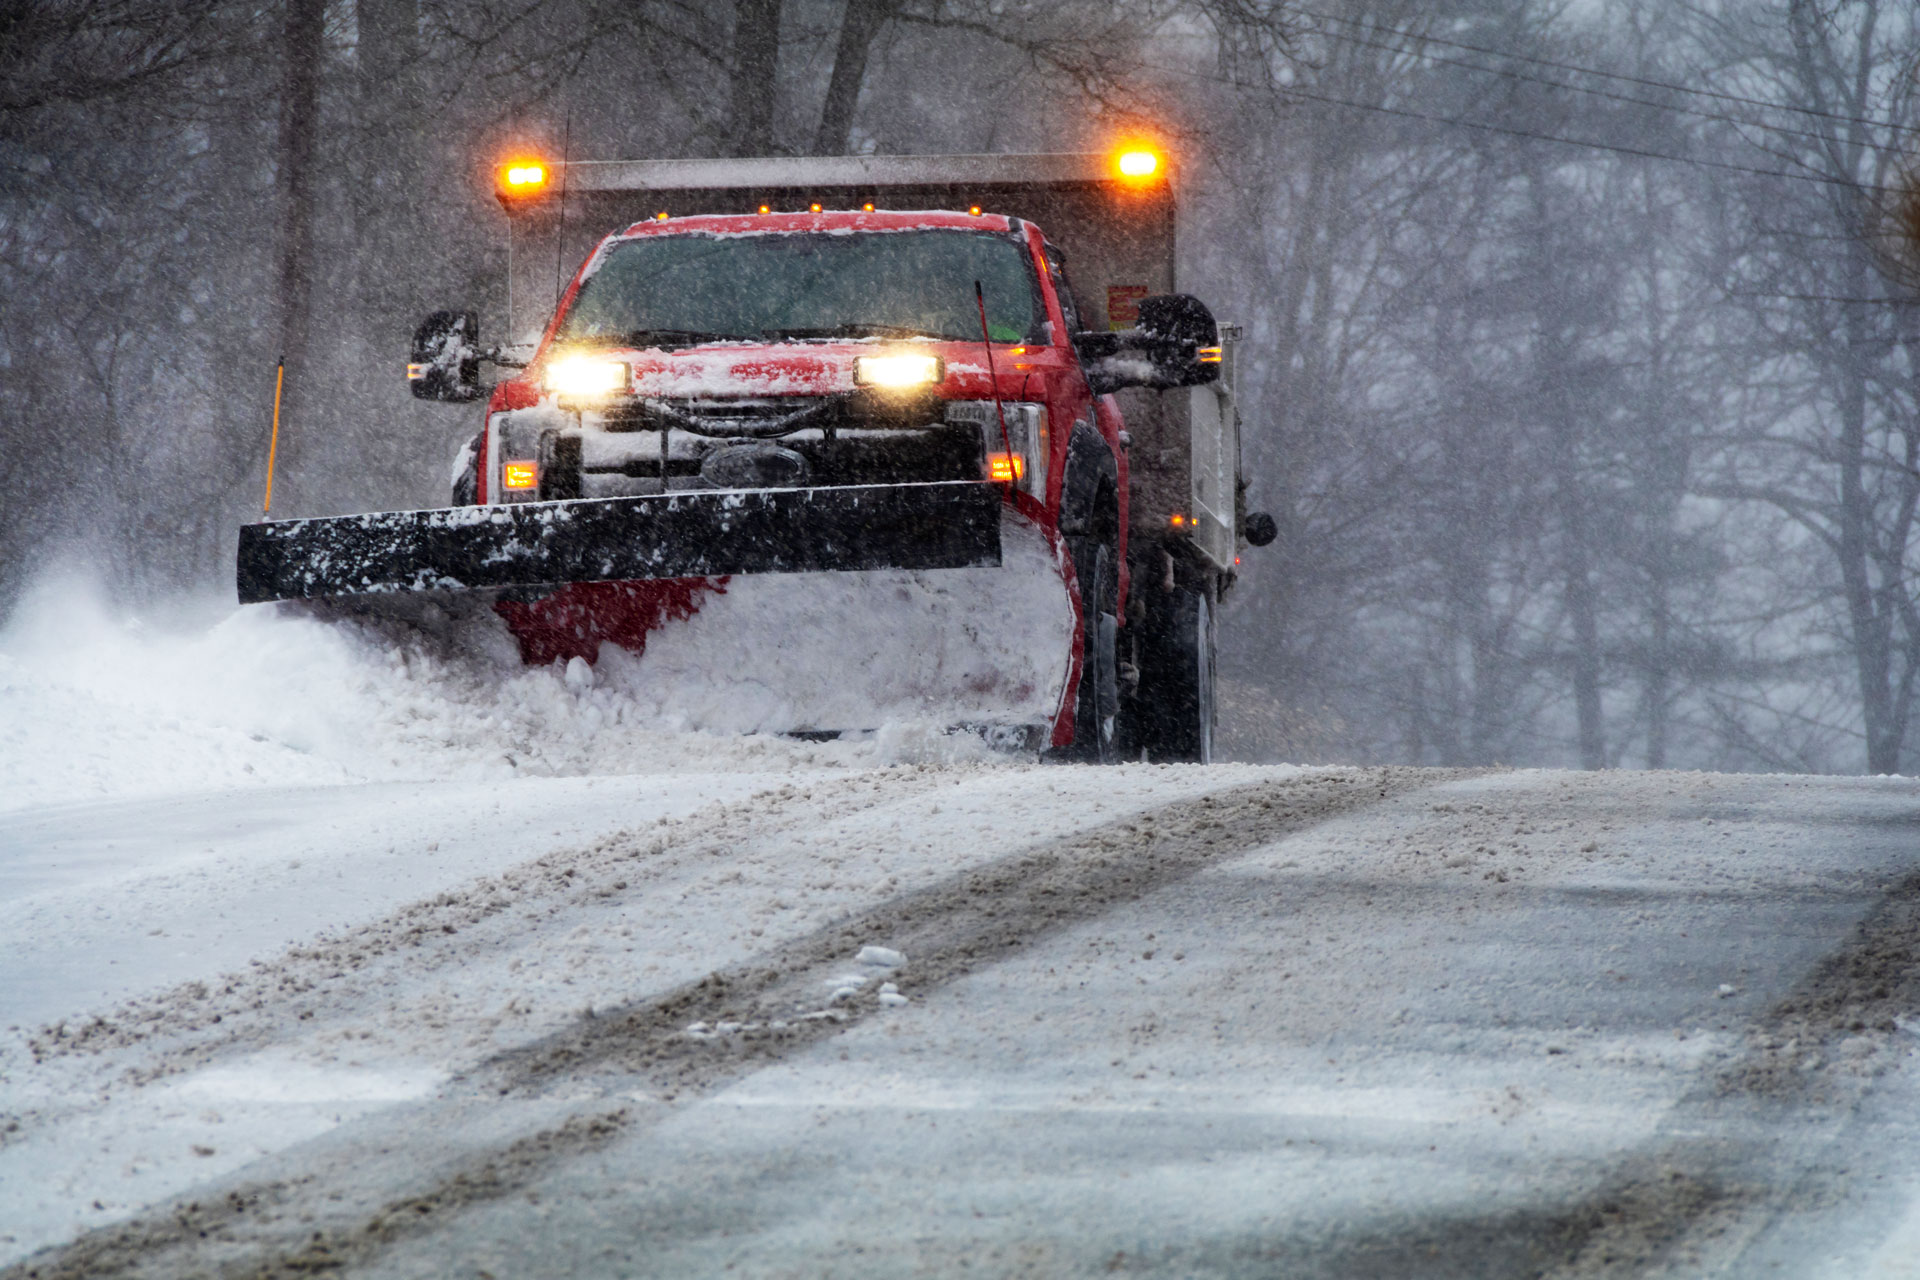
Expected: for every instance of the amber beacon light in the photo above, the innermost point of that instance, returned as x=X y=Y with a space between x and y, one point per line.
x=1138 y=163
x=524 y=178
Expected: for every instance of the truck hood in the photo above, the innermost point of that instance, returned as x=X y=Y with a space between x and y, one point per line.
x=801 y=369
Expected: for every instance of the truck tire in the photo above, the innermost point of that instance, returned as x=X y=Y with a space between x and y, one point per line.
x=1176 y=706
x=1096 y=711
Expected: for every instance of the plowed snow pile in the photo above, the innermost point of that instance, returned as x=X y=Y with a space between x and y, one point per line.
x=96 y=705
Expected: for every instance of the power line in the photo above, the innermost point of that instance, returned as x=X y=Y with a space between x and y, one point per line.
x=1572 y=88
x=1614 y=75
x=1640 y=152
x=1828 y=297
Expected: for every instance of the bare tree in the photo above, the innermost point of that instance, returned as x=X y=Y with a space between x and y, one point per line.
x=1837 y=450
x=859 y=25
x=756 y=66
x=301 y=52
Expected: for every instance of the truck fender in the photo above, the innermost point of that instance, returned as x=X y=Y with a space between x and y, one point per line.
x=1090 y=465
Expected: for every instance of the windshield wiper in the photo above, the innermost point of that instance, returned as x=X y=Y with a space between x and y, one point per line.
x=858 y=329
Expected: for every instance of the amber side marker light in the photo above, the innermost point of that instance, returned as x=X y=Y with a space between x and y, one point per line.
x=1138 y=163
x=813 y=208
x=521 y=178
x=519 y=475
x=660 y=216
x=1208 y=355
x=766 y=208
x=1179 y=522
x=1006 y=468
x=974 y=210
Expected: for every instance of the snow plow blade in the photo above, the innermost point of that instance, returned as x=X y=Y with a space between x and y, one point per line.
x=696 y=534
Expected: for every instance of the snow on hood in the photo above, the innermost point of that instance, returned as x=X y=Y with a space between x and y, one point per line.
x=743 y=370
x=797 y=369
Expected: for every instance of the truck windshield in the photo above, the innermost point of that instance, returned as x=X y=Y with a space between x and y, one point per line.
x=680 y=290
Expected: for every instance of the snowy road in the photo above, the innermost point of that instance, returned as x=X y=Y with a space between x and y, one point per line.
x=1146 y=1021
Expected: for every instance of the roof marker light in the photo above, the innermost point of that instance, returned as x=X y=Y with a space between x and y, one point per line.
x=974 y=210
x=660 y=216
x=867 y=207
x=766 y=208
x=813 y=208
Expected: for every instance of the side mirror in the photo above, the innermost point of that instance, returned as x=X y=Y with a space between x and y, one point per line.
x=1259 y=528
x=445 y=361
x=1175 y=344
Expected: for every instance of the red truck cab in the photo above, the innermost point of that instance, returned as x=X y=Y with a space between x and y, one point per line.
x=821 y=349
x=819 y=472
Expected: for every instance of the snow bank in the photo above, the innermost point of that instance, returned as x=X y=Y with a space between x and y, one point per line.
x=95 y=704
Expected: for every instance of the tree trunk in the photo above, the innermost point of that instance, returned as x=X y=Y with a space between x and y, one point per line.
x=858 y=27
x=1553 y=370
x=756 y=63
x=301 y=52
x=1867 y=625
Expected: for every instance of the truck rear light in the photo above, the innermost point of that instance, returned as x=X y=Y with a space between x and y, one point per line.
x=519 y=475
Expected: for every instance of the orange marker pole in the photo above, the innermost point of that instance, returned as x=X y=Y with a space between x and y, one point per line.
x=273 y=442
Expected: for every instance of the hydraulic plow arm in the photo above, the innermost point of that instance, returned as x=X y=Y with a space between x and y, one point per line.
x=947 y=525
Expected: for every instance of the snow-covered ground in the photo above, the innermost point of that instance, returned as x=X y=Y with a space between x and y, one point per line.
x=329 y=949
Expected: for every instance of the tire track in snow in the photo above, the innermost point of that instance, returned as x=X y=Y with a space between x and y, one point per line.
x=283 y=1229
x=944 y=931
x=203 y=1018
x=1741 y=1152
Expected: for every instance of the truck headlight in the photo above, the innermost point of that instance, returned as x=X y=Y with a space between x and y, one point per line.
x=587 y=377
x=901 y=369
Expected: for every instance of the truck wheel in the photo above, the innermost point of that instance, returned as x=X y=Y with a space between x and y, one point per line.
x=1176 y=684
x=1096 y=712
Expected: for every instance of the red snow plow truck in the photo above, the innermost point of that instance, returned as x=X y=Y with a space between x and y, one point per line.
x=834 y=443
